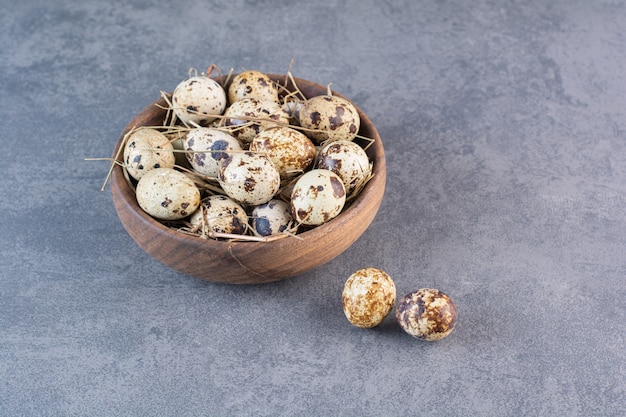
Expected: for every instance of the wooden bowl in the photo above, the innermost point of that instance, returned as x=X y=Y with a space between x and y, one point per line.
x=238 y=262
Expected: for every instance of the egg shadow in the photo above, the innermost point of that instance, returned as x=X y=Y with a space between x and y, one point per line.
x=389 y=327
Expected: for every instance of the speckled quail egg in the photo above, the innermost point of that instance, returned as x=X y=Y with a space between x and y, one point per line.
x=271 y=218
x=317 y=197
x=426 y=314
x=368 y=296
x=167 y=194
x=348 y=160
x=206 y=147
x=219 y=213
x=252 y=84
x=291 y=151
x=330 y=117
x=147 y=149
x=237 y=117
x=249 y=178
x=198 y=100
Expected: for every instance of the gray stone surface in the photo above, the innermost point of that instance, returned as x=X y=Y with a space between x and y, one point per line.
x=504 y=124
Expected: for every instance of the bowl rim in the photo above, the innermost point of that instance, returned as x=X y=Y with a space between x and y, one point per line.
x=372 y=193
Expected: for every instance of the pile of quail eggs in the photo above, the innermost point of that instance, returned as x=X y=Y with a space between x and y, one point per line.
x=252 y=159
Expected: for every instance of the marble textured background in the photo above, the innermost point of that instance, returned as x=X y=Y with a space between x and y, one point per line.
x=504 y=124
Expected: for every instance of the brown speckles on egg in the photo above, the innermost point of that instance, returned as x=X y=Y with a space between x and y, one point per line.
x=427 y=314
x=252 y=84
x=368 y=296
x=271 y=218
x=249 y=178
x=184 y=207
x=167 y=194
x=221 y=214
x=338 y=187
x=239 y=114
x=292 y=152
x=198 y=100
x=146 y=149
x=315 y=198
x=207 y=147
x=329 y=118
x=336 y=121
x=315 y=118
x=248 y=184
x=348 y=160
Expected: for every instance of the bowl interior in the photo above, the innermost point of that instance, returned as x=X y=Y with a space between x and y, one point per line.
x=244 y=262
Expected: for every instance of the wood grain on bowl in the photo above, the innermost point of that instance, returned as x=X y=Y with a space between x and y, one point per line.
x=239 y=262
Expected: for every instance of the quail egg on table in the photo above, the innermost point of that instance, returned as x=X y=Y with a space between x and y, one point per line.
x=427 y=314
x=317 y=197
x=219 y=213
x=252 y=84
x=147 y=149
x=206 y=147
x=248 y=116
x=167 y=194
x=330 y=118
x=249 y=178
x=348 y=160
x=368 y=296
x=198 y=100
x=271 y=218
x=291 y=151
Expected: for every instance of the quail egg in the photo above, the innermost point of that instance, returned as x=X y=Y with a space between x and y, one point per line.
x=198 y=100
x=249 y=178
x=239 y=114
x=252 y=84
x=291 y=151
x=147 y=149
x=368 y=296
x=330 y=117
x=317 y=197
x=271 y=218
x=219 y=213
x=206 y=147
x=167 y=194
x=426 y=314
x=348 y=160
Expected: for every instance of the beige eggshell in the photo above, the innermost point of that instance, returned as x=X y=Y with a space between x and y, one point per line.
x=317 y=197
x=368 y=296
x=291 y=151
x=206 y=147
x=249 y=178
x=146 y=149
x=271 y=218
x=348 y=160
x=248 y=116
x=426 y=314
x=167 y=194
x=219 y=213
x=252 y=84
x=198 y=100
x=331 y=118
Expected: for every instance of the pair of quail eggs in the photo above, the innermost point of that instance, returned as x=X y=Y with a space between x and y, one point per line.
x=369 y=295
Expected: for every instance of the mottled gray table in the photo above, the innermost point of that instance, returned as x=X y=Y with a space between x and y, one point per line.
x=504 y=124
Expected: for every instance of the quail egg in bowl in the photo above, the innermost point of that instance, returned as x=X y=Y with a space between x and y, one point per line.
x=259 y=259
